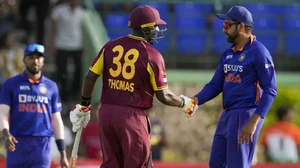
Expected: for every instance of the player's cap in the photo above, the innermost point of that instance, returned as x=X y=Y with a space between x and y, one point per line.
x=238 y=13
x=145 y=16
x=34 y=48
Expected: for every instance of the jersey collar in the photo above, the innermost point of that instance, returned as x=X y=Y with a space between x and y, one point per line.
x=26 y=77
x=246 y=46
x=136 y=37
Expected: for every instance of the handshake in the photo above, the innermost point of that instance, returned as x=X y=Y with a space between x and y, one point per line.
x=80 y=115
x=189 y=105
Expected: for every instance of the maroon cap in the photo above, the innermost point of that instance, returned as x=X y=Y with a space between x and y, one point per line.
x=145 y=16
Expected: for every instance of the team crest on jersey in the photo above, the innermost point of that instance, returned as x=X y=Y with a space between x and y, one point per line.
x=242 y=57
x=43 y=89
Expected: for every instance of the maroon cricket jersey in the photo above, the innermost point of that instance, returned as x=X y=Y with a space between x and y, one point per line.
x=132 y=71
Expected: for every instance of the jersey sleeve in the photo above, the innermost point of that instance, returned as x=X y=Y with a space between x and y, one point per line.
x=6 y=96
x=56 y=102
x=265 y=71
x=157 y=71
x=214 y=87
x=97 y=65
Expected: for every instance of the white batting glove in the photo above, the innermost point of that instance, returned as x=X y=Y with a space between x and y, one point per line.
x=80 y=116
x=190 y=106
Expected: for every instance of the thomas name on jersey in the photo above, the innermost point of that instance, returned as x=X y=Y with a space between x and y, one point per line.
x=120 y=85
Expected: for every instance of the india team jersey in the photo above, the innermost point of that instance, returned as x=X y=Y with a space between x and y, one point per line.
x=132 y=71
x=31 y=105
x=241 y=76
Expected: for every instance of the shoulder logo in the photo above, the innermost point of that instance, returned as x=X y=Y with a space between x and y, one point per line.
x=229 y=56
x=43 y=89
x=242 y=57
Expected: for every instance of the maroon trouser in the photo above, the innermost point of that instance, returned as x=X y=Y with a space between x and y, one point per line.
x=124 y=136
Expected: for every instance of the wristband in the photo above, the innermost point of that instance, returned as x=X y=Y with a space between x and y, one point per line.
x=85 y=101
x=60 y=143
x=182 y=102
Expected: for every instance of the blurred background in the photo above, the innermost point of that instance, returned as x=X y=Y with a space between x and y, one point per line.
x=73 y=32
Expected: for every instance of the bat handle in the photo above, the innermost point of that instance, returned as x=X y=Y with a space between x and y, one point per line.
x=76 y=144
x=73 y=162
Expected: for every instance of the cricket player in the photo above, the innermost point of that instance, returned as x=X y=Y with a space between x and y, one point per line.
x=29 y=114
x=132 y=71
x=246 y=76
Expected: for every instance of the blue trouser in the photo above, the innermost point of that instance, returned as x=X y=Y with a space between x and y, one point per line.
x=31 y=152
x=226 y=152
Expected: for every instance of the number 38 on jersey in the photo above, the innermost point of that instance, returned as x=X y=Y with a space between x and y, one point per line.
x=124 y=68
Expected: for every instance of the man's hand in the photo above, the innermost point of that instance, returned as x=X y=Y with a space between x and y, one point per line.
x=80 y=116
x=249 y=129
x=64 y=160
x=10 y=143
x=190 y=105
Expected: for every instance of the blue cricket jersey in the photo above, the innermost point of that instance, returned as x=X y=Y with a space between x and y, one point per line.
x=247 y=78
x=31 y=105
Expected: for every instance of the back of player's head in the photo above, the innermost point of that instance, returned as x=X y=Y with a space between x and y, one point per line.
x=282 y=113
x=34 y=48
x=147 y=19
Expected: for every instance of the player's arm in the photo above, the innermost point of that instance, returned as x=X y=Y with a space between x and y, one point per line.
x=4 y=114
x=5 y=104
x=6 y=99
x=58 y=129
x=57 y=122
x=95 y=70
x=265 y=71
x=214 y=87
x=157 y=71
x=167 y=97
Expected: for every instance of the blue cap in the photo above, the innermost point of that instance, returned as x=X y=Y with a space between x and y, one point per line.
x=238 y=13
x=34 y=48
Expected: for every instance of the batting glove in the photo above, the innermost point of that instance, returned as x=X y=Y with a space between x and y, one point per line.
x=80 y=116
x=190 y=105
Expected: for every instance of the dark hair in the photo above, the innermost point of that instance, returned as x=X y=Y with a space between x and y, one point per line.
x=282 y=112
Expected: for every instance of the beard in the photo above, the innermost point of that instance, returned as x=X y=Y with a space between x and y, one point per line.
x=232 y=37
x=33 y=70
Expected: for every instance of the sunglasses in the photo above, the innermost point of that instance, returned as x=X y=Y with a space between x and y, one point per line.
x=227 y=25
x=34 y=48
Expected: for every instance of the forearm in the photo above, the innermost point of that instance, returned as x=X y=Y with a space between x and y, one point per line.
x=172 y=100
x=88 y=85
x=58 y=128
x=255 y=119
x=207 y=93
x=4 y=113
x=167 y=97
x=63 y=153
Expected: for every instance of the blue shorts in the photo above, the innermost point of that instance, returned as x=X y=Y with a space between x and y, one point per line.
x=31 y=152
x=226 y=152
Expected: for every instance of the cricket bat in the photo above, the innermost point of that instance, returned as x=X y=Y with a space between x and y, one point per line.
x=75 y=149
